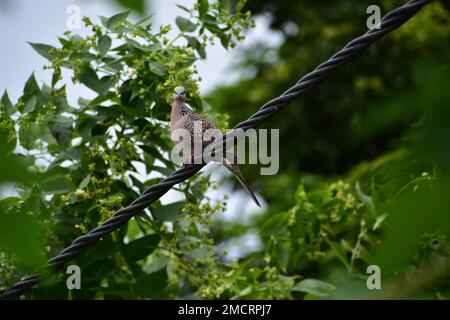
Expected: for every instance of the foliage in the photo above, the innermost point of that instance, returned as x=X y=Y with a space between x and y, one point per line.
x=84 y=158
x=327 y=121
x=390 y=212
x=135 y=5
x=359 y=127
x=356 y=187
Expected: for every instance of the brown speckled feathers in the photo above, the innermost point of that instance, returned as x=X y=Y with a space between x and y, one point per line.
x=183 y=117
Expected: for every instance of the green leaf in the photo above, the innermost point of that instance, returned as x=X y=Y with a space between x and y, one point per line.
x=104 y=21
x=185 y=25
x=164 y=170
x=100 y=99
x=318 y=288
x=367 y=200
x=99 y=130
x=54 y=181
x=379 y=221
x=225 y=5
x=7 y=202
x=19 y=237
x=84 y=127
x=282 y=255
x=225 y=40
x=151 y=150
x=201 y=252
x=47 y=93
x=116 y=19
x=31 y=86
x=133 y=228
x=133 y=45
x=136 y=5
x=85 y=182
x=134 y=112
x=201 y=51
x=141 y=248
x=168 y=212
x=62 y=132
x=89 y=78
x=135 y=93
x=56 y=76
x=152 y=285
x=44 y=50
x=104 y=44
x=240 y=6
x=212 y=25
x=287 y=282
x=193 y=42
x=31 y=105
x=28 y=135
x=340 y=253
x=202 y=8
x=8 y=139
x=183 y=8
x=275 y=224
x=243 y=293
x=6 y=104
x=144 y=20
x=17 y=165
x=157 y=68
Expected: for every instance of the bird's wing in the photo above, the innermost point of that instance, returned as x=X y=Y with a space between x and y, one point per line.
x=197 y=126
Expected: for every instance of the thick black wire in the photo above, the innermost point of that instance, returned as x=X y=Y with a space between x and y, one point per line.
x=389 y=22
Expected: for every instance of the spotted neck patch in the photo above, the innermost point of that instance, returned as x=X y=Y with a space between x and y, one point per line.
x=185 y=109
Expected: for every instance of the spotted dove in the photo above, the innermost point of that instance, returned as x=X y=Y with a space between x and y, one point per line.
x=183 y=117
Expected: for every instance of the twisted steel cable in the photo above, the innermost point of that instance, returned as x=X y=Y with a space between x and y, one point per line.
x=391 y=21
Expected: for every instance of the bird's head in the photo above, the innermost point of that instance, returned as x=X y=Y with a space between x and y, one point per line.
x=179 y=93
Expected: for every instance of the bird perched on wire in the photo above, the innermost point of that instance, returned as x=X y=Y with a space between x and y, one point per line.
x=183 y=117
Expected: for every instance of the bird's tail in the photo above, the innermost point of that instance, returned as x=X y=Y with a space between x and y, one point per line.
x=234 y=169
